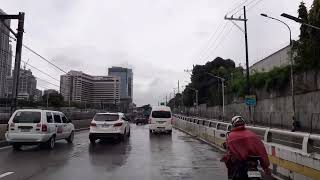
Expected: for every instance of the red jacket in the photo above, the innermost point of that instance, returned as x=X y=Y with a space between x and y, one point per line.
x=242 y=142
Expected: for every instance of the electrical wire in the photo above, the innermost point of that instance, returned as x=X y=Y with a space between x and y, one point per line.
x=34 y=52
x=223 y=38
x=216 y=39
x=210 y=42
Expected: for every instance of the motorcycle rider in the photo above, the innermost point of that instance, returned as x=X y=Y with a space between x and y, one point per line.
x=242 y=143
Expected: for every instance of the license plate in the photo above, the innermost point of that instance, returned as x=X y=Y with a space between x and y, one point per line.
x=161 y=127
x=254 y=174
x=25 y=130
x=161 y=122
x=105 y=125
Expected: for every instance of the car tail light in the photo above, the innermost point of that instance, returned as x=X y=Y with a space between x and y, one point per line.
x=149 y=121
x=44 y=128
x=93 y=124
x=118 y=124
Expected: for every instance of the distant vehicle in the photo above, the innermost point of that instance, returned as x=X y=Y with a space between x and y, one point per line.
x=109 y=125
x=38 y=127
x=160 y=119
x=141 y=119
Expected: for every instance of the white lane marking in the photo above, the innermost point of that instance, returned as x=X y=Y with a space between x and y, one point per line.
x=5 y=174
x=6 y=147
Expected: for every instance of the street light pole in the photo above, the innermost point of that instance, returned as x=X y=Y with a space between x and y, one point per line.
x=291 y=70
x=298 y=20
x=222 y=84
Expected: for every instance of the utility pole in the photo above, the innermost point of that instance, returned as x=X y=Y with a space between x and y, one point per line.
x=174 y=99
x=248 y=88
x=178 y=87
x=17 y=63
x=166 y=100
x=246 y=44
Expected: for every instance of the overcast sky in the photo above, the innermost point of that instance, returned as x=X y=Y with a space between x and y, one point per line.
x=157 y=38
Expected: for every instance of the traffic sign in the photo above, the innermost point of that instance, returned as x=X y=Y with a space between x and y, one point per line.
x=251 y=100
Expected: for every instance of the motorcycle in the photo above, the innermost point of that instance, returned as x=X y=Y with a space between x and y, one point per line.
x=245 y=170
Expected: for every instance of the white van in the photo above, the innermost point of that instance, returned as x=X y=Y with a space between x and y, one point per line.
x=160 y=119
x=35 y=126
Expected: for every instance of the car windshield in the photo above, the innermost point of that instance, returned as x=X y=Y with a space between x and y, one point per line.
x=106 y=117
x=27 y=117
x=161 y=114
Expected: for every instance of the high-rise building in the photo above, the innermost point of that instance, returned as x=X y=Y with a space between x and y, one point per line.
x=5 y=56
x=38 y=95
x=126 y=80
x=80 y=87
x=27 y=85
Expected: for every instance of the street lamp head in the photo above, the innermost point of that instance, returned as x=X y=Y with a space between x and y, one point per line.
x=264 y=15
x=292 y=18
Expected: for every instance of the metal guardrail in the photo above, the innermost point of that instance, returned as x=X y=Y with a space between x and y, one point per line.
x=302 y=141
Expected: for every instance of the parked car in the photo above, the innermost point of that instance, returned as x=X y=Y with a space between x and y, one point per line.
x=38 y=127
x=109 y=125
x=160 y=119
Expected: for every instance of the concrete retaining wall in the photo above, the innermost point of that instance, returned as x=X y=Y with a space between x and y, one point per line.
x=273 y=112
x=292 y=155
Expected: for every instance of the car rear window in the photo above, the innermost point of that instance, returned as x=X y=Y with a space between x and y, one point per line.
x=161 y=114
x=27 y=117
x=106 y=117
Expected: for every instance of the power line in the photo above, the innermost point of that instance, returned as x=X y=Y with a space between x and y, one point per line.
x=255 y=4
x=41 y=71
x=43 y=58
x=210 y=41
x=238 y=6
x=221 y=40
x=28 y=64
x=48 y=82
x=217 y=37
x=34 y=52
x=240 y=9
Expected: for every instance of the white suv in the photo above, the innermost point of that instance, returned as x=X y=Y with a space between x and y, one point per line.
x=109 y=125
x=35 y=126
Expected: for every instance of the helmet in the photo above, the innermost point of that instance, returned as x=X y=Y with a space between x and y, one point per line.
x=238 y=121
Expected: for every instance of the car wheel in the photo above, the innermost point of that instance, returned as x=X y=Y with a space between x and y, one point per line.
x=16 y=147
x=70 y=138
x=51 y=142
x=170 y=132
x=150 y=131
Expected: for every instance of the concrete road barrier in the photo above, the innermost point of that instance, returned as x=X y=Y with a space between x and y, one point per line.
x=293 y=155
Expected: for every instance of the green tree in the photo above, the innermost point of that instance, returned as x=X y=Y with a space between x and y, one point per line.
x=308 y=46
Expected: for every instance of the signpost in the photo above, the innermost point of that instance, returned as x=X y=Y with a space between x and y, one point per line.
x=251 y=100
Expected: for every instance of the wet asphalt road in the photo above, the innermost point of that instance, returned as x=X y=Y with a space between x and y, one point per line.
x=141 y=157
